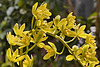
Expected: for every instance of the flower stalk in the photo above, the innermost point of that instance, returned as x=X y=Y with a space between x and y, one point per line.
x=21 y=53
x=12 y=64
x=65 y=44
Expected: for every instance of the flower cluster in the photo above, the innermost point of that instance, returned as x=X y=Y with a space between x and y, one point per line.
x=57 y=28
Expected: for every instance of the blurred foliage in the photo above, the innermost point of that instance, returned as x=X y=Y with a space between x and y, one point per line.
x=19 y=11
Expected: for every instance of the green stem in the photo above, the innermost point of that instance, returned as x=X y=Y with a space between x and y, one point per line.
x=11 y=48
x=65 y=44
x=21 y=53
x=32 y=22
x=71 y=40
x=12 y=64
x=61 y=51
x=30 y=48
x=26 y=50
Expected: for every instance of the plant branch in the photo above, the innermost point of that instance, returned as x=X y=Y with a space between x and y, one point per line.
x=65 y=44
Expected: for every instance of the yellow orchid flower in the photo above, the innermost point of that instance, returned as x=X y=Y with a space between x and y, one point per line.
x=17 y=30
x=28 y=62
x=60 y=24
x=51 y=51
x=46 y=27
x=81 y=32
x=24 y=41
x=85 y=54
x=39 y=37
x=76 y=51
x=71 y=21
x=70 y=33
x=41 y=12
x=88 y=55
x=12 y=39
x=90 y=39
x=14 y=57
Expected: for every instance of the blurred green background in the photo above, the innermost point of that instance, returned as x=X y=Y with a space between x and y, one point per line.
x=20 y=11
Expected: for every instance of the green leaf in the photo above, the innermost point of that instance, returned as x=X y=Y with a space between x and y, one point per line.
x=93 y=15
x=20 y=3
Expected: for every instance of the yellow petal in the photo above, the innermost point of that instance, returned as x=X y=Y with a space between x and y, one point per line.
x=81 y=29
x=39 y=36
x=47 y=56
x=16 y=28
x=56 y=20
x=40 y=45
x=22 y=46
x=9 y=53
x=9 y=37
x=62 y=35
x=32 y=40
x=75 y=47
x=85 y=49
x=53 y=46
x=34 y=7
x=26 y=32
x=27 y=58
x=15 y=53
x=48 y=48
x=63 y=26
x=45 y=5
x=20 y=58
x=43 y=39
x=84 y=35
x=31 y=57
x=22 y=28
x=69 y=58
x=38 y=23
x=70 y=33
x=98 y=66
